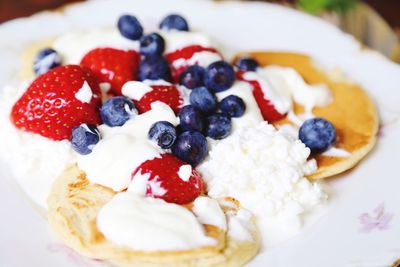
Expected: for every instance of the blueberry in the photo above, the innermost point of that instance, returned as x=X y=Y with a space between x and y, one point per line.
x=202 y=99
x=84 y=137
x=219 y=76
x=152 y=45
x=233 y=106
x=247 y=64
x=117 y=110
x=192 y=77
x=219 y=126
x=317 y=134
x=174 y=22
x=163 y=133
x=154 y=68
x=190 y=118
x=130 y=27
x=191 y=146
x=45 y=60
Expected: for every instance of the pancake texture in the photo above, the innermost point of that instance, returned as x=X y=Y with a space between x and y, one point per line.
x=352 y=111
x=73 y=207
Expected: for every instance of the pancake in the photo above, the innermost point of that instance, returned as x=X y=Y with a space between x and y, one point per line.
x=74 y=203
x=352 y=111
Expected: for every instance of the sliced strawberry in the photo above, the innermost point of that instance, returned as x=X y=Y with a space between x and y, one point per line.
x=168 y=94
x=266 y=107
x=184 y=54
x=52 y=106
x=165 y=182
x=112 y=66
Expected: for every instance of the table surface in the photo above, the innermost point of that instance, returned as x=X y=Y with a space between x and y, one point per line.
x=9 y=9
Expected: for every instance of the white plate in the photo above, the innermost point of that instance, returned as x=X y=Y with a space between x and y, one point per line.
x=338 y=238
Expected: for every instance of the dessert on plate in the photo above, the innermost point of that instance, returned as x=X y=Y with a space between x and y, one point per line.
x=149 y=149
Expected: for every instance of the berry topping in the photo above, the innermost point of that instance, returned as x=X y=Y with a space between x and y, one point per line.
x=183 y=55
x=192 y=77
x=163 y=133
x=84 y=137
x=219 y=76
x=165 y=182
x=317 y=134
x=130 y=27
x=202 y=99
x=167 y=94
x=174 y=22
x=113 y=66
x=50 y=106
x=232 y=106
x=46 y=59
x=191 y=146
x=219 y=126
x=191 y=118
x=154 y=68
x=152 y=45
x=117 y=110
x=247 y=64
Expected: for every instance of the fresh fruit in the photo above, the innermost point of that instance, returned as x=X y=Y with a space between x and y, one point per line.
x=183 y=55
x=152 y=45
x=191 y=118
x=220 y=76
x=168 y=182
x=232 y=106
x=174 y=22
x=154 y=68
x=113 y=66
x=191 y=147
x=163 y=133
x=317 y=134
x=219 y=126
x=167 y=94
x=84 y=137
x=57 y=101
x=117 y=110
x=192 y=77
x=130 y=27
x=247 y=64
x=46 y=59
x=202 y=99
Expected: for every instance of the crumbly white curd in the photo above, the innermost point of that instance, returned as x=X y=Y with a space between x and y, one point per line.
x=36 y=161
x=265 y=170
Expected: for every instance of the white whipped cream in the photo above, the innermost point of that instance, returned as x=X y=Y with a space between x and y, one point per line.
x=208 y=211
x=84 y=94
x=337 y=152
x=74 y=45
x=122 y=149
x=281 y=84
x=175 y=40
x=184 y=172
x=269 y=181
x=252 y=115
x=135 y=90
x=130 y=220
x=35 y=160
x=239 y=225
x=203 y=59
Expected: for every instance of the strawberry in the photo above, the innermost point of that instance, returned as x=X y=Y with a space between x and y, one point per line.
x=185 y=54
x=112 y=66
x=50 y=106
x=165 y=182
x=168 y=94
x=266 y=107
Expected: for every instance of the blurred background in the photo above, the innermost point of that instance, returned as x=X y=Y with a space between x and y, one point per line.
x=375 y=23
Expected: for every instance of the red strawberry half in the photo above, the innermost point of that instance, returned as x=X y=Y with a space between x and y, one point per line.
x=113 y=66
x=54 y=103
x=166 y=183
x=168 y=94
x=266 y=107
x=185 y=54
